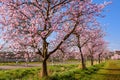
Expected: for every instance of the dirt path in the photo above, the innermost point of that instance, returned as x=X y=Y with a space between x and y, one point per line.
x=111 y=71
x=19 y=66
x=23 y=65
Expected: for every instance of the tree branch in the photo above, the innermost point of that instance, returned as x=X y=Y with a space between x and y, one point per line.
x=64 y=39
x=40 y=53
x=63 y=2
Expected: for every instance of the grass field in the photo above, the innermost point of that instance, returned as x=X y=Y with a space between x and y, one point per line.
x=105 y=71
x=110 y=71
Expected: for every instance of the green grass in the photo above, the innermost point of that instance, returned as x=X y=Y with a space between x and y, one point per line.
x=49 y=63
x=105 y=71
x=76 y=74
x=12 y=63
x=111 y=71
x=56 y=72
x=32 y=73
x=18 y=73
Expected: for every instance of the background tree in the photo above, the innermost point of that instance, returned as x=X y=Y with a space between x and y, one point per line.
x=82 y=36
x=96 y=38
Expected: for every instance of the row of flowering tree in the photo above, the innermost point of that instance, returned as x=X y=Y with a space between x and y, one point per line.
x=46 y=25
x=85 y=43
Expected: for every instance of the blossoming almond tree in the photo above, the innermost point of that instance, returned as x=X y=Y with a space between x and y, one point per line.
x=102 y=50
x=37 y=23
x=81 y=38
x=95 y=43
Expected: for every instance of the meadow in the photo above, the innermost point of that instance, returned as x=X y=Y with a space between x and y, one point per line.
x=109 y=70
x=69 y=71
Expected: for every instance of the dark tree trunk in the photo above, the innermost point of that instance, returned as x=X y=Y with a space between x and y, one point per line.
x=83 y=62
x=82 y=59
x=44 y=69
x=45 y=57
x=92 y=60
x=99 y=59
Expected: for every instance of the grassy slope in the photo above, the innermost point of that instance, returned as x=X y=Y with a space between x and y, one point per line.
x=111 y=71
x=33 y=73
x=56 y=72
x=77 y=74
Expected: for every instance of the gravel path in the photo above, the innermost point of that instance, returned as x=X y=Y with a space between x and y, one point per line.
x=19 y=66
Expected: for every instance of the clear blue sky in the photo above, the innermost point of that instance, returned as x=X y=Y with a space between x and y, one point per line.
x=112 y=23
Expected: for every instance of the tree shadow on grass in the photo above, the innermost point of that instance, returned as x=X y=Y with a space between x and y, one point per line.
x=108 y=74
x=110 y=69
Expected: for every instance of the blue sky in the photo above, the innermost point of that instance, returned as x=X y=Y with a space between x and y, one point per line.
x=111 y=23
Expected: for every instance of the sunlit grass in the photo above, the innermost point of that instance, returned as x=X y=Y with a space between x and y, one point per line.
x=110 y=71
x=56 y=72
x=67 y=71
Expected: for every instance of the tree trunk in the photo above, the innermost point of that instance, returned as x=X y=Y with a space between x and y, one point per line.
x=99 y=59
x=92 y=60
x=27 y=59
x=83 y=62
x=82 y=59
x=45 y=57
x=44 y=69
